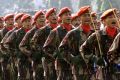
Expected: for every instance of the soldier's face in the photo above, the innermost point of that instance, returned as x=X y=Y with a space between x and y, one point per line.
x=41 y=20
x=53 y=18
x=10 y=21
x=85 y=18
x=110 y=21
x=27 y=23
x=95 y=24
x=76 y=22
x=66 y=17
x=94 y=18
x=18 y=21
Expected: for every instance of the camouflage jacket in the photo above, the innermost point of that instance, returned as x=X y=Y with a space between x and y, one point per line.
x=3 y=49
x=40 y=37
x=24 y=45
x=97 y=44
x=13 y=41
x=114 y=51
x=55 y=37
x=73 y=40
x=3 y=31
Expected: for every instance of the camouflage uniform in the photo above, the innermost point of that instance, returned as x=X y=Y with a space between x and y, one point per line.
x=114 y=56
x=12 y=44
x=51 y=49
x=69 y=47
x=90 y=48
x=38 y=41
x=26 y=48
x=3 y=31
x=5 y=54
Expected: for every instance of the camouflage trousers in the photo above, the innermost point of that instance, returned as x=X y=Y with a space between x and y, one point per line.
x=63 y=70
x=49 y=69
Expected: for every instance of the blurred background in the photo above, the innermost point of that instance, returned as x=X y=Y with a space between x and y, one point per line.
x=30 y=6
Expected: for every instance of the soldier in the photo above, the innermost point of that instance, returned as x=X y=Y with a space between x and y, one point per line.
x=70 y=44
x=38 y=41
x=12 y=44
x=14 y=27
x=114 y=57
x=1 y=26
x=85 y=20
x=12 y=57
x=9 y=24
x=97 y=45
x=51 y=44
x=39 y=19
x=75 y=20
x=95 y=23
x=25 y=46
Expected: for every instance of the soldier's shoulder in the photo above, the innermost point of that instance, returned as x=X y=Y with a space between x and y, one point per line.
x=75 y=30
x=118 y=35
x=40 y=29
x=9 y=32
x=18 y=30
x=55 y=29
x=32 y=29
x=3 y=29
x=43 y=28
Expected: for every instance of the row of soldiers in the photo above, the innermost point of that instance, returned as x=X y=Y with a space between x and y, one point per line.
x=51 y=46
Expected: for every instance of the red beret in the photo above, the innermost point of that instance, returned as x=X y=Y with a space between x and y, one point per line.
x=19 y=15
x=108 y=13
x=38 y=13
x=50 y=11
x=8 y=16
x=25 y=16
x=1 y=19
x=74 y=16
x=83 y=10
x=64 y=10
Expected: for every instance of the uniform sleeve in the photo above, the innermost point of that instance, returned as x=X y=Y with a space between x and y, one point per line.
x=65 y=43
x=3 y=49
x=50 y=43
x=87 y=46
x=65 y=48
x=114 y=49
x=37 y=38
x=10 y=41
x=23 y=46
x=34 y=40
